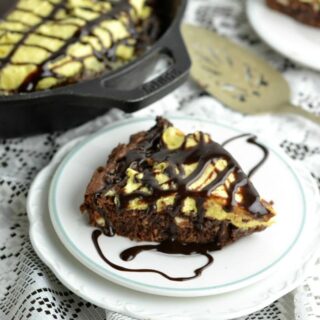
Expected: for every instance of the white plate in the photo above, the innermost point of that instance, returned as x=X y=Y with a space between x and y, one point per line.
x=105 y=294
x=293 y=39
x=236 y=266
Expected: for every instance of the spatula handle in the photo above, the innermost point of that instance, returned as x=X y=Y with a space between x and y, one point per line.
x=289 y=108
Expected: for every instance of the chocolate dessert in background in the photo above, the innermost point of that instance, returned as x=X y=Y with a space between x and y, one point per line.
x=305 y=11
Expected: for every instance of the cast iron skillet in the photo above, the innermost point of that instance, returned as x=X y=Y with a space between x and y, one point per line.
x=68 y=106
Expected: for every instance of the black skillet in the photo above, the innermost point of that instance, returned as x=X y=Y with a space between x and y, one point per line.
x=124 y=88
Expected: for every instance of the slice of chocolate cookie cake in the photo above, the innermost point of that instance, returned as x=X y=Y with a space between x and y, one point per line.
x=165 y=184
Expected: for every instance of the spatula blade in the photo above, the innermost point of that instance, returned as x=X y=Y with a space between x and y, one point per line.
x=233 y=74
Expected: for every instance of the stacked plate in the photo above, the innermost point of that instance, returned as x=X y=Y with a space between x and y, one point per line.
x=291 y=38
x=244 y=277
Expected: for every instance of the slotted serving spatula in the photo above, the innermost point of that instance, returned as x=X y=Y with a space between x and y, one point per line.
x=237 y=77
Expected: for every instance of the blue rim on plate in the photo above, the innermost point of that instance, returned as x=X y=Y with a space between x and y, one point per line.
x=63 y=235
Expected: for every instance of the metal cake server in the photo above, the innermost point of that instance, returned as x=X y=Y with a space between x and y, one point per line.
x=237 y=77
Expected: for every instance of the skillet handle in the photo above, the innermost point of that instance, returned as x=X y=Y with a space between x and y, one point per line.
x=112 y=92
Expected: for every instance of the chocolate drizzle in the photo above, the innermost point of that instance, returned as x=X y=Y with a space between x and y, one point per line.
x=153 y=150
x=253 y=140
x=105 y=55
x=170 y=247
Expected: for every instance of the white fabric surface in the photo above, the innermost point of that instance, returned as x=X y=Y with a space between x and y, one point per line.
x=28 y=290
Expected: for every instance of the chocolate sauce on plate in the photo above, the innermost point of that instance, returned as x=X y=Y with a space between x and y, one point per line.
x=253 y=140
x=170 y=247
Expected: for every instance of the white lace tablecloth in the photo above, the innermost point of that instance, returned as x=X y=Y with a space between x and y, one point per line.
x=28 y=290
